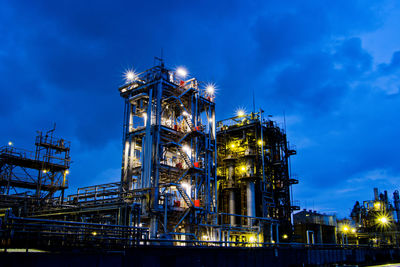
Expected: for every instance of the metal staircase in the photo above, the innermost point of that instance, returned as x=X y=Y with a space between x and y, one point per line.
x=185 y=157
x=184 y=195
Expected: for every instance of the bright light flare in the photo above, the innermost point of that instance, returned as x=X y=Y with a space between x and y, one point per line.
x=285 y=236
x=382 y=220
x=345 y=229
x=67 y=172
x=181 y=72
x=10 y=143
x=240 y=112
x=211 y=89
x=130 y=76
x=252 y=239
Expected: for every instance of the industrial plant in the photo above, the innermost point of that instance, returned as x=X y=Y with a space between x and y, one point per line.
x=187 y=180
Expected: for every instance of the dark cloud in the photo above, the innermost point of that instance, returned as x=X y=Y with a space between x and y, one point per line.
x=393 y=66
x=352 y=59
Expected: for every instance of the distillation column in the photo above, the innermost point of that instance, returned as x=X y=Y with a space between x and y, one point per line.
x=231 y=173
x=250 y=189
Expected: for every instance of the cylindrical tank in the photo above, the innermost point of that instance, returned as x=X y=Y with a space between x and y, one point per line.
x=231 y=173
x=232 y=206
x=250 y=191
x=251 y=207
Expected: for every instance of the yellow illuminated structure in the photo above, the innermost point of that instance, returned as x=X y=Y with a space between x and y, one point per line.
x=253 y=178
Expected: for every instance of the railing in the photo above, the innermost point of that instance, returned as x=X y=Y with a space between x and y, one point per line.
x=95 y=193
x=54 y=142
x=52 y=233
x=19 y=153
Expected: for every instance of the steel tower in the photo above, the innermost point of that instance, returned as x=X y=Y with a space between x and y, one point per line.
x=169 y=155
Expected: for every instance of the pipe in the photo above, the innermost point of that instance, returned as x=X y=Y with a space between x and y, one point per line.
x=251 y=211
x=231 y=172
x=232 y=206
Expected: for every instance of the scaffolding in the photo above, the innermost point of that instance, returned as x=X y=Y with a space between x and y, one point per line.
x=254 y=176
x=35 y=177
x=169 y=140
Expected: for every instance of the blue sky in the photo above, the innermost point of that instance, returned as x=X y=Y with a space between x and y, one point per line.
x=331 y=66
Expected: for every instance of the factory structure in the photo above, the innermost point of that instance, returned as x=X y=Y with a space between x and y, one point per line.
x=185 y=178
x=373 y=223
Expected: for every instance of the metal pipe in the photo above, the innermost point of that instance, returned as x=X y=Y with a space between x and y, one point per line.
x=232 y=206
x=251 y=211
x=262 y=145
x=232 y=210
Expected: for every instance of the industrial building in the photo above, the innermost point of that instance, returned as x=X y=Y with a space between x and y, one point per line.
x=311 y=228
x=185 y=178
x=376 y=221
x=254 y=179
x=33 y=180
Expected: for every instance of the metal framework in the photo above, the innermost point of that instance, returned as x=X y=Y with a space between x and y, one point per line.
x=374 y=222
x=34 y=177
x=253 y=175
x=169 y=191
x=169 y=151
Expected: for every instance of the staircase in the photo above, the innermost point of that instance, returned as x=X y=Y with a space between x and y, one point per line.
x=185 y=157
x=189 y=123
x=179 y=103
x=184 y=195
